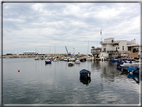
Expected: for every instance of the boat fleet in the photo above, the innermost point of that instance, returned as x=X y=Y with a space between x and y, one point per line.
x=125 y=65
x=85 y=75
x=71 y=60
x=128 y=66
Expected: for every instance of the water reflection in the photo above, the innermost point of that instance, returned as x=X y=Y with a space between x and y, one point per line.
x=59 y=84
x=109 y=71
x=95 y=65
x=85 y=81
x=134 y=77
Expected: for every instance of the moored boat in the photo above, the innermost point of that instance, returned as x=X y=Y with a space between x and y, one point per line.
x=82 y=59
x=65 y=59
x=48 y=62
x=70 y=63
x=77 y=61
x=55 y=60
x=85 y=73
x=89 y=58
x=72 y=59
x=37 y=58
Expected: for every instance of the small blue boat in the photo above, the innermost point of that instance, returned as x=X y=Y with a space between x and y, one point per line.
x=125 y=64
x=133 y=69
x=113 y=60
x=118 y=65
x=85 y=73
x=48 y=62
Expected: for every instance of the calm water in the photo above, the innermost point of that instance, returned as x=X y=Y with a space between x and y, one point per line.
x=37 y=83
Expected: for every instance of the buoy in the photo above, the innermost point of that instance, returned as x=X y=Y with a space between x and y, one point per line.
x=18 y=70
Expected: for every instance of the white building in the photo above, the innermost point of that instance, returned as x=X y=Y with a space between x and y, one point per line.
x=29 y=52
x=112 y=48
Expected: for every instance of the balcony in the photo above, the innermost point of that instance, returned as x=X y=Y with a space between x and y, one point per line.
x=114 y=49
x=95 y=52
x=109 y=42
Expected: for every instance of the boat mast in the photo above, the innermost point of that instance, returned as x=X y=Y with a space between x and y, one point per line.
x=88 y=48
x=101 y=34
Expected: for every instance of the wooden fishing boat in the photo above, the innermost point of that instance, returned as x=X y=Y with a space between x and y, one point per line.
x=48 y=62
x=85 y=73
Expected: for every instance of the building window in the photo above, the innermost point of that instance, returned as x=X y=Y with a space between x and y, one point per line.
x=104 y=49
x=118 y=47
x=97 y=51
x=122 y=47
x=129 y=48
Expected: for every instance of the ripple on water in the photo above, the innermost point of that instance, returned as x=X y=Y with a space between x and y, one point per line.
x=59 y=84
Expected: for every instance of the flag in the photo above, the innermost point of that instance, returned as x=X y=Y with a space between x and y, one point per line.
x=100 y=31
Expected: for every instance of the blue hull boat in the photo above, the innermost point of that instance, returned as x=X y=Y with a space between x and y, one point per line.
x=85 y=73
x=118 y=65
x=47 y=62
x=134 y=70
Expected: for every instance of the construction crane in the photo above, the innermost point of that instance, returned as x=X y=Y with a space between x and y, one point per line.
x=67 y=51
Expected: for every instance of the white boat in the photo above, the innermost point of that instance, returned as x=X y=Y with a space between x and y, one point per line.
x=129 y=64
x=55 y=60
x=70 y=63
x=72 y=59
x=89 y=58
x=65 y=59
x=61 y=58
x=46 y=58
x=77 y=61
x=36 y=58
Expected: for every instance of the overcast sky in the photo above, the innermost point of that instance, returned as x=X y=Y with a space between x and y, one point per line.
x=49 y=27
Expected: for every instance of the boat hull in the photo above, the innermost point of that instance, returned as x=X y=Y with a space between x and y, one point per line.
x=47 y=62
x=70 y=63
x=85 y=73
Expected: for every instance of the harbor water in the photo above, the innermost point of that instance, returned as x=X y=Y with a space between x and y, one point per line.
x=57 y=83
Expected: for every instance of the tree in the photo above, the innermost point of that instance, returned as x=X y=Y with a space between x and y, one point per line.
x=93 y=47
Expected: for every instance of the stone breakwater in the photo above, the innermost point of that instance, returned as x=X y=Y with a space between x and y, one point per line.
x=33 y=56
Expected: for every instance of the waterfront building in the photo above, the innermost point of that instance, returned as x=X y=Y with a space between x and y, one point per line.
x=112 y=48
x=95 y=51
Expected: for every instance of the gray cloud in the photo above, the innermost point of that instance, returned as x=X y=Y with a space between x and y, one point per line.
x=32 y=25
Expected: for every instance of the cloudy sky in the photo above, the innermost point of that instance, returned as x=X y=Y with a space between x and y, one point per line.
x=49 y=27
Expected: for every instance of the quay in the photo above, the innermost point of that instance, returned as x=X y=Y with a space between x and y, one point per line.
x=32 y=55
x=39 y=55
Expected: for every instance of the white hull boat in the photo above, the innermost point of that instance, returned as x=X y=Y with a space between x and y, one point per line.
x=65 y=59
x=72 y=59
x=77 y=61
x=70 y=63
x=55 y=60
x=36 y=58
x=89 y=59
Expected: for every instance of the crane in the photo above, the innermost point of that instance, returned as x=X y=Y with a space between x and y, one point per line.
x=67 y=51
